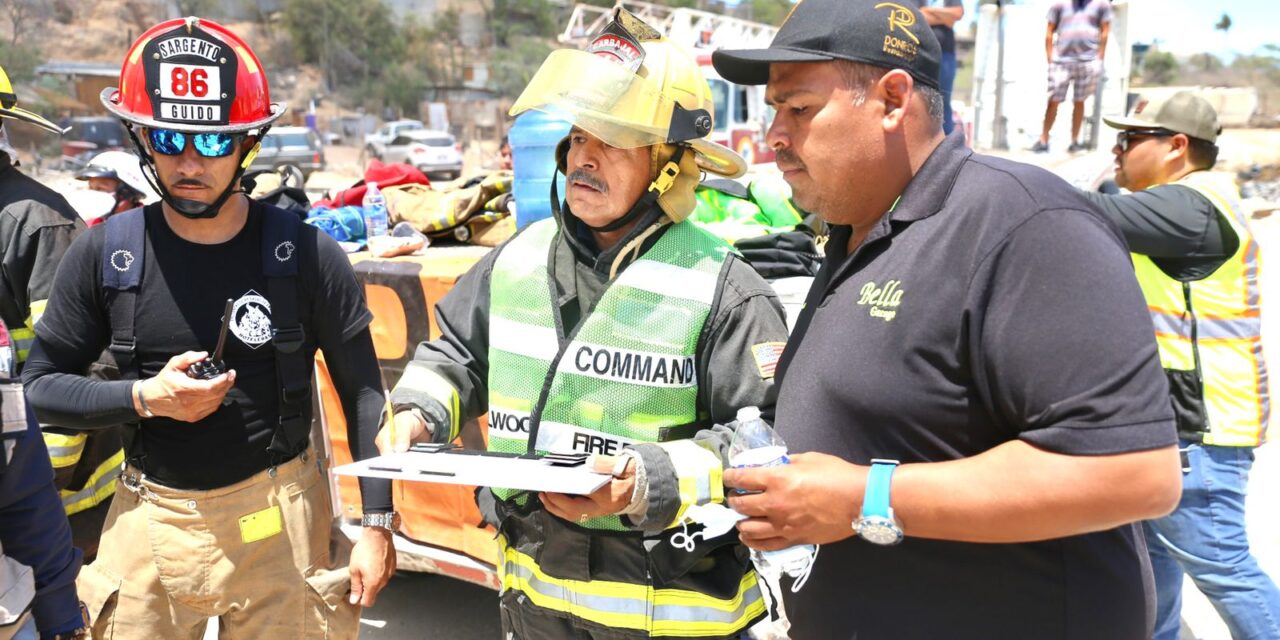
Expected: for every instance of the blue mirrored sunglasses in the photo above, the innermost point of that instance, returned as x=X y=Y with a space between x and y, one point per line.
x=210 y=145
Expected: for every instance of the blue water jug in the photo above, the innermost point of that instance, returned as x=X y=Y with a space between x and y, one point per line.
x=533 y=149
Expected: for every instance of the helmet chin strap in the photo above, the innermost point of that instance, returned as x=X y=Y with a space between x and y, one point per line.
x=186 y=207
x=666 y=177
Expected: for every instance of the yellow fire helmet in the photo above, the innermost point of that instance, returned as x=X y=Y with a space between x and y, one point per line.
x=631 y=88
x=9 y=107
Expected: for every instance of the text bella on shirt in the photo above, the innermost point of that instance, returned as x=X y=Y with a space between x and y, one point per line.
x=883 y=301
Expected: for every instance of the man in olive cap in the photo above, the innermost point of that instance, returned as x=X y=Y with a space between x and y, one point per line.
x=975 y=392
x=1199 y=269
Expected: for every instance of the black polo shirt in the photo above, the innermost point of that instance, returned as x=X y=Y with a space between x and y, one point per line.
x=992 y=303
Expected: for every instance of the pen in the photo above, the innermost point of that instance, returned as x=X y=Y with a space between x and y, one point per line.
x=391 y=422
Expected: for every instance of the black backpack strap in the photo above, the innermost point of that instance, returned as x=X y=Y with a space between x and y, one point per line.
x=122 y=261
x=280 y=257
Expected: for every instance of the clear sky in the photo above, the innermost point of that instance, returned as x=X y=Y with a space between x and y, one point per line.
x=1184 y=27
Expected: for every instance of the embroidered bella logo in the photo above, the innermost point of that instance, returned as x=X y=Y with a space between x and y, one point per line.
x=883 y=300
x=900 y=18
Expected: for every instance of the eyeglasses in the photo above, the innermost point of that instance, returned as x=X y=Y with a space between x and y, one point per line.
x=1125 y=138
x=210 y=145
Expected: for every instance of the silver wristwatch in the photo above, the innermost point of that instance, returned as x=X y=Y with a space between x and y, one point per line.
x=389 y=520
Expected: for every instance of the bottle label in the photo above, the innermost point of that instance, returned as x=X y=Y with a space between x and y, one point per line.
x=770 y=456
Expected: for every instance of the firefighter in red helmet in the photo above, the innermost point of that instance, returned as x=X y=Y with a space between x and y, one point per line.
x=221 y=509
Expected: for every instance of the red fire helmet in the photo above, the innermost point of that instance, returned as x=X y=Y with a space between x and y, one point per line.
x=191 y=74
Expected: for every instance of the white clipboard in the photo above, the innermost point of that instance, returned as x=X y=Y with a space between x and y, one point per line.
x=554 y=473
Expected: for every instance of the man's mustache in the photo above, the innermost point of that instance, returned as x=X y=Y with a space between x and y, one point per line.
x=188 y=182
x=787 y=156
x=581 y=175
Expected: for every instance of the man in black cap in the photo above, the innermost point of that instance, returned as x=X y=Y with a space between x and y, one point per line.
x=967 y=330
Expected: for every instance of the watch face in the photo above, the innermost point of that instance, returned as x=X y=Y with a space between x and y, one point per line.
x=879 y=530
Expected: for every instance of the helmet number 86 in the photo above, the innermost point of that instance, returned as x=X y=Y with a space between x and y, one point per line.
x=196 y=82
x=192 y=82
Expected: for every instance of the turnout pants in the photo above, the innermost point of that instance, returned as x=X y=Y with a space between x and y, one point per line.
x=260 y=555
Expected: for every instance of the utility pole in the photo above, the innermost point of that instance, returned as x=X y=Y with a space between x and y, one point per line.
x=324 y=49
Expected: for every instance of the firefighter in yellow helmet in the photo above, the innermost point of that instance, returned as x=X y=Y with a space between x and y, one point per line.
x=37 y=226
x=617 y=329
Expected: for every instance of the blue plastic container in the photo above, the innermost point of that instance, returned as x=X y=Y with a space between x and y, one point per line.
x=533 y=149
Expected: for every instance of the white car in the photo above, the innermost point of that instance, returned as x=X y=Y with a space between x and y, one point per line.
x=432 y=152
x=376 y=143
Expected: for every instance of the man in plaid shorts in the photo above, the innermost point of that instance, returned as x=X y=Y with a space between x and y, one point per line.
x=1075 y=60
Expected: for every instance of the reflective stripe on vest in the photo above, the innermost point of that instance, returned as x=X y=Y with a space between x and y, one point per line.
x=629 y=371
x=100 y=486
x=620 y=605
x=1228 y=323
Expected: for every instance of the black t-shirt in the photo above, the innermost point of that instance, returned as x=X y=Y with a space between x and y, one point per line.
x=179 y=308
x=992 y=304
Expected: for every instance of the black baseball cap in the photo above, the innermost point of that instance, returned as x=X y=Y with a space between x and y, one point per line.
x=892 y=35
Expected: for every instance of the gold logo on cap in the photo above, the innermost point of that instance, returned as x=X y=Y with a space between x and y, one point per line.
x=900 y=17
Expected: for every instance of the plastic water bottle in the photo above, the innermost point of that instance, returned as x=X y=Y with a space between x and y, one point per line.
x=756 y=444
x=375 y=212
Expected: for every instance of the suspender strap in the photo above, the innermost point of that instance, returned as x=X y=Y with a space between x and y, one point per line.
x=280 y=265
x=122 y=264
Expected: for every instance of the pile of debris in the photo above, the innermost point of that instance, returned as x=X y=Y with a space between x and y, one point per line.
x=1260 y=186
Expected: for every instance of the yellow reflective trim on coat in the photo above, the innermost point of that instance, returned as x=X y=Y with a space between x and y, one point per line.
x=64 y=451
x=621 y=605
x=423 y=380
x=100 y=486
x=699 y=472
x=37 y=309
x=22 y=338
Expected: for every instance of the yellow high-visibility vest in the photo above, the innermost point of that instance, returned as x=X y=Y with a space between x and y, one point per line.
x=1227 y=316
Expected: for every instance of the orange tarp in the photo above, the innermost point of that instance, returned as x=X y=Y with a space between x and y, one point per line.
x=402 y=293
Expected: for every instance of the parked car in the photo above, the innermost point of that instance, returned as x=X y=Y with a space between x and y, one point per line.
x=432 y=152
x=290 y=145
x=375 y=143
x=90 y=136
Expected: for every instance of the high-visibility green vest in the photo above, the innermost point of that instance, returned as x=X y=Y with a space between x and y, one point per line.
x=626 y=375
x=767 y=209
x=1228 y=322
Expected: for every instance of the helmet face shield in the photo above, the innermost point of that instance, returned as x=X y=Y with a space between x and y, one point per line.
x=631 y=88
x=617 y=106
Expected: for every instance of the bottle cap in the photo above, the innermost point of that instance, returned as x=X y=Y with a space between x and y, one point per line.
x=747 y=414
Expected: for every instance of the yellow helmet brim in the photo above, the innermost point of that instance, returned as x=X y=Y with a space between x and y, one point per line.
x=22 y=115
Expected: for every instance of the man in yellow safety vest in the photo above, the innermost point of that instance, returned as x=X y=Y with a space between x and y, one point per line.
x=1199 y=269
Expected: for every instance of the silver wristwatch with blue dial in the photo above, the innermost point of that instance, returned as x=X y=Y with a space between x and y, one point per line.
x=877 y=524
